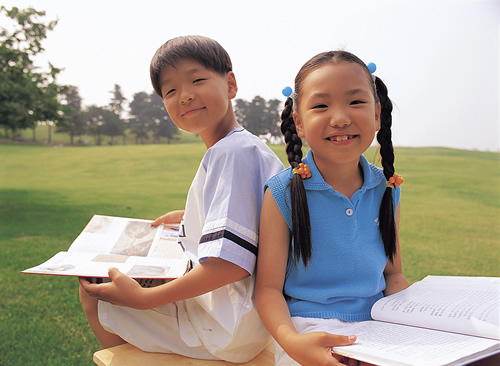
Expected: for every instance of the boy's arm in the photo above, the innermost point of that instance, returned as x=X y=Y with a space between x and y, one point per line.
x=395 y=280
x=308 y=349
x=205 y=277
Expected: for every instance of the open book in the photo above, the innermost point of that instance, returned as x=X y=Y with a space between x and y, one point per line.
x=131 y=245
x=436 y=321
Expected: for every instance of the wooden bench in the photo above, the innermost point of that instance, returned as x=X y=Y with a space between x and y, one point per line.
x=128 y=355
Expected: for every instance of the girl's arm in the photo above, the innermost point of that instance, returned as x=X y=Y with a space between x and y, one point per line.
x=205 y=277
x=395 y=280
x=307 y=349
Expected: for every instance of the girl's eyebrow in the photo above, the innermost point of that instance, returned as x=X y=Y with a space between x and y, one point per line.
x=349 y=92
x=357 y=91
x=319 y=95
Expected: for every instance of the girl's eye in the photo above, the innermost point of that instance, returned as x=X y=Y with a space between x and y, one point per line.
x=357 y=102
x=320 y=106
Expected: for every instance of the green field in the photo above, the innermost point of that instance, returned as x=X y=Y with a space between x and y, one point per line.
x=45 y=135
x=450 y=225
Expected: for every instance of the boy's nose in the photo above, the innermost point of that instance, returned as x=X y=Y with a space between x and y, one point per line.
x=186 y=96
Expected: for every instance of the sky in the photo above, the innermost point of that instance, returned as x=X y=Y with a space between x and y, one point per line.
x=439 y=58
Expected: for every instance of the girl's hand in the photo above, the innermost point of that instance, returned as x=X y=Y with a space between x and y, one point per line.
x=315 y=349
x=122 y=290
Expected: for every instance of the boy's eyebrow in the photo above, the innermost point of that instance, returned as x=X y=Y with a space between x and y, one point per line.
x=189 y=72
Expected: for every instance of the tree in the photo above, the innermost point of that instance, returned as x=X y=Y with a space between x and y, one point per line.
x=148 y=114
x=103 y=122
x=114 y=126
x=74 y=123
x=138 y=121
x=240 y=110
x=26 y=96
x=260 y=117
x=162 y=124
x=117 y=101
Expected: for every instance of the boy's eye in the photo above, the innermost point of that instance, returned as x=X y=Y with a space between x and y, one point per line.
x=197 y=80
x=169 y=92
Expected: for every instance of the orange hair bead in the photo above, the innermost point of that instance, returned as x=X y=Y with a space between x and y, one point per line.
x=395 y=181
x=303 y=171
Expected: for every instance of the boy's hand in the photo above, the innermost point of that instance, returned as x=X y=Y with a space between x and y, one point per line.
x=122 y=290
x=172 y=217
x=315 y=349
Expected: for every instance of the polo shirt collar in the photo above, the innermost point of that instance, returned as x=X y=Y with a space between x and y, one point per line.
x=372 y=176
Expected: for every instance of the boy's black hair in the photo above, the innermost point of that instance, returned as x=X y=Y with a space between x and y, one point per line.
x=301 y=226
x=202 y=49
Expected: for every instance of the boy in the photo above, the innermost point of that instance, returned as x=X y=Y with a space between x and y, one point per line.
x=208 y=313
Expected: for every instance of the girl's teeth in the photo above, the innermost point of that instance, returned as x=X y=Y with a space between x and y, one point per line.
x=341 y=138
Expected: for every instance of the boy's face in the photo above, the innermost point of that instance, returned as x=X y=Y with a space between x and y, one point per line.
x=198 y=99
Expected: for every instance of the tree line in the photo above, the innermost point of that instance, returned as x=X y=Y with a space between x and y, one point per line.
x=30 y=97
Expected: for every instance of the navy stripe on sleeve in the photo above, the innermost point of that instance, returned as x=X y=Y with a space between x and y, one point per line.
x=230 y=236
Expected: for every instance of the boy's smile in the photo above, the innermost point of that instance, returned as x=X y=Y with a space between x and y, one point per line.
x=191 y=111
x=199 y=100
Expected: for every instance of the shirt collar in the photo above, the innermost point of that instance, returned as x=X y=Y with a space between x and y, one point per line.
x=372 y=176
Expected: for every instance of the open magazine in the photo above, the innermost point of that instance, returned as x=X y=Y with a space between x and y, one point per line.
x=131 y=245
x=437 y=321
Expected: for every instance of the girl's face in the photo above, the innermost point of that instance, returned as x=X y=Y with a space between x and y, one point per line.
x=337 y=113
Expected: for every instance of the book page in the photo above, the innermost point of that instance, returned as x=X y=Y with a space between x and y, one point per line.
x=131 y=245
x=97 y=265
x=463 y=305
x=393 y=344
x=116 y=235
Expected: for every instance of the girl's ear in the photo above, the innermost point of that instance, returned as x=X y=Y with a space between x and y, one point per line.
x=299 y=126
x=378 y=108
x=232 y=86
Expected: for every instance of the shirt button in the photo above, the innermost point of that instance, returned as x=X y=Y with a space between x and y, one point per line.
x=349 y=212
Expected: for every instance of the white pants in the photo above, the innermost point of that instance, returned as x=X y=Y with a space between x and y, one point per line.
x=222 y=324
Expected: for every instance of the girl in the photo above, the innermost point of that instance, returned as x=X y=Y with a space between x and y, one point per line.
x=329 y=245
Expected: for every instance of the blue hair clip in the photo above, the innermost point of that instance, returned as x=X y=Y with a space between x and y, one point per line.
x=372 y=67
x=287 y=91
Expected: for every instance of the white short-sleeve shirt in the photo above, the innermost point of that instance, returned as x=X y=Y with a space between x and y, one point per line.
x=221 y=220
x=224 y=201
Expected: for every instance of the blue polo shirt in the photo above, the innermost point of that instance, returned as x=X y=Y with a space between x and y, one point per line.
x=345 y=276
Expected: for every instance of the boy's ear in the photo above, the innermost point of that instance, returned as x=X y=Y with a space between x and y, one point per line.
x=232 y=86
x=298 y=125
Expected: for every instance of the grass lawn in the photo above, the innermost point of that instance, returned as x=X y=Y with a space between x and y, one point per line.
x=450 y=225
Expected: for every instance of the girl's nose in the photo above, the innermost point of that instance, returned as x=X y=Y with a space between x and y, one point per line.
x=340 y=119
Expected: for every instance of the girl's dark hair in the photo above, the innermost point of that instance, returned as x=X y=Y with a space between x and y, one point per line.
x=301 y=224
x=202 y=49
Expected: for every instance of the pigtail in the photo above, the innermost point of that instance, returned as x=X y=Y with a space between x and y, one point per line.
x=301 y=223
x=387 y=224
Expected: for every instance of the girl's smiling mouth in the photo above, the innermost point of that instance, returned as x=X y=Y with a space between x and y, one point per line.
x=341 y=138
